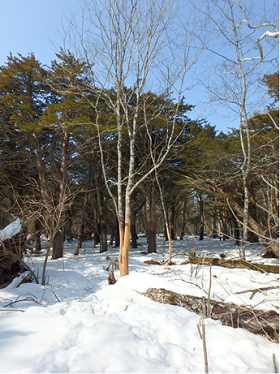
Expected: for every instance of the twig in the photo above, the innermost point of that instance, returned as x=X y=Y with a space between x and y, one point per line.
x=257 y=318
x=180 y=254
x=192 y=283
x=12 y=310
x=203 y=338
x=222 y=286
x=112 y=262
x=231 y=316
x=274 y=362
x=49 y=289
x=28 y=298
x=254 y=291
x=209 y=290
x=204 y=307
x=31 y=271
x=198 y=328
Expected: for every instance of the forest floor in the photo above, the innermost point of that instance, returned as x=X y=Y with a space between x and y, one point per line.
x=79 y=323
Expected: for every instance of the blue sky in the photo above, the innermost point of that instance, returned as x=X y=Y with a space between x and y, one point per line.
x=33 y=26
x=37 y=26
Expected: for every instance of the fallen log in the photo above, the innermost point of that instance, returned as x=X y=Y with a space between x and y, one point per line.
x=265 y=323
x=239 y=263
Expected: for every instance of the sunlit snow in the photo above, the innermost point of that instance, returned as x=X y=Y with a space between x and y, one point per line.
x=9 y=231
x=79 y=323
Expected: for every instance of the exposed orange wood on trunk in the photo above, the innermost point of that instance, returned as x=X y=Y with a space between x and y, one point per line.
x=170 y=245
x=124 y=247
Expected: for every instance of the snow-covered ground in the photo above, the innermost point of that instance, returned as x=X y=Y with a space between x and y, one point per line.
x=79 y=323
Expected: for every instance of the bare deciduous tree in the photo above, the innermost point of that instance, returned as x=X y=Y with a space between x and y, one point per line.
x=240 y=61
x=132 y=49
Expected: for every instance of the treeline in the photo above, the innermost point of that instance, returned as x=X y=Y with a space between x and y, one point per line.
x=74 y=161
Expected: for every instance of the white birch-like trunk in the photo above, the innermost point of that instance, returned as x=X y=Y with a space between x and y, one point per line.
x=131 y=48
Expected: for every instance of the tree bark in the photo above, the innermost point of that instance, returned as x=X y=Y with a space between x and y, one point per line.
x=223 y=221
x=101 y=205
x=103 y=236
x=183 y=221
x=57 y=251
x=172 y=222
x=201 y=213
x=134 y=236
x=37 y=236
x=252 y=237
x=116 y=232
x=150 y=217
x=82 y=226
x=214 y=224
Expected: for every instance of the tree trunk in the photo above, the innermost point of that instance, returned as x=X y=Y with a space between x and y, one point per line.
x=57 y=251
x=165 y=233
x=82 y=226
x=252 y=237
x=37 y=242
x=79 y=243
x=245 y=216
x=116 y=232
x=37 y=236
x=103 y=236
x=224 y=226
x=96 y=233
x=150 y=217
x=124 y=247
x=101 y=206
x=271 y=245
x=183 y=221
x=201 y=213
x=68 y=224
x=214 y=224
x=134 y=236
x=172 y=222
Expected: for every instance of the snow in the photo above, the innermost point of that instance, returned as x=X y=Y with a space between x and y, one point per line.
x=9 y=231
x=79 y=323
